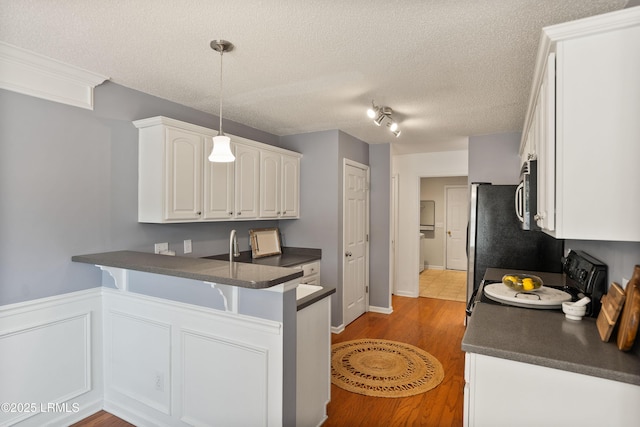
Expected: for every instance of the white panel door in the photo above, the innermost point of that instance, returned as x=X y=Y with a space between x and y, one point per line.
x=457 y=199
x=355 y=235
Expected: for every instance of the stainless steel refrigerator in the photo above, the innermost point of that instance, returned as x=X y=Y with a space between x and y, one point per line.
x=496 y=239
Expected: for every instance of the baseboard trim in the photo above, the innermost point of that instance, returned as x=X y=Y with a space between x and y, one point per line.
x=382 y=310
x=338 y=329
x=406 y=294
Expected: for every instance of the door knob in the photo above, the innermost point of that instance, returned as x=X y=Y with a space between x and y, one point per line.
x=449 y=233
x=348 y=254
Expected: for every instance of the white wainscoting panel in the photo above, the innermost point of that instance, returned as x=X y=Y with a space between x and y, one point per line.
x=222 y=379
x=138 y=361
x=50 y=357
x=216 y=368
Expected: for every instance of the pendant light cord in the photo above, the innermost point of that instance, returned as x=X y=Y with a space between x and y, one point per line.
x=220 y=128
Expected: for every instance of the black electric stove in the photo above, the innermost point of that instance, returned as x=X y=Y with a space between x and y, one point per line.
x=582 y=276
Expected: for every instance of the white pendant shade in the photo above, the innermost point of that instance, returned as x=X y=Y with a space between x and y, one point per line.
x=221 y=152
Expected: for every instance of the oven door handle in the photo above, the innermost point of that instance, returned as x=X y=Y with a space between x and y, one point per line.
x=472 y=302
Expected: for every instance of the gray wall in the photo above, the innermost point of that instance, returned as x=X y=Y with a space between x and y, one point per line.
x=68 y=181
x=320 y=223
x=494 y=158
x=319 y=211
x=380 y=225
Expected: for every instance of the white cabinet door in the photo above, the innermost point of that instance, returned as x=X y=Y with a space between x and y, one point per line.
x=218 y=186
x=290 y=198
x=247 y=182
x=270 y=175
x=183 y=174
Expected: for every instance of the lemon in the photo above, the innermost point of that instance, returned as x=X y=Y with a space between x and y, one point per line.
x=527 y=284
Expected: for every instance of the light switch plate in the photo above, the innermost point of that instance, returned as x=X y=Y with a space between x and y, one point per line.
x=161 y=247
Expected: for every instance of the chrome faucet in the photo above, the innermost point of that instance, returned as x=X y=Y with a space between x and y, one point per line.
x=233 y=246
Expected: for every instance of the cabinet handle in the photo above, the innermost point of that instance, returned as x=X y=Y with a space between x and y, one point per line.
x=239 y=213
x=284 y=213
x=278 y=213
x=199 y=213
x=230 y=213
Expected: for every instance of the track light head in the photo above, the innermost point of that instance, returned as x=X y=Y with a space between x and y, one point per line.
x=378 y=120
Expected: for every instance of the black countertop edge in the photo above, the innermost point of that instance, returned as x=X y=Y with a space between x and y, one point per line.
x=552 y=342
x=243 y=275
x=315 y=297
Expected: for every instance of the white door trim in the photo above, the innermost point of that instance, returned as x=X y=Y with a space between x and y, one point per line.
x=349 y=162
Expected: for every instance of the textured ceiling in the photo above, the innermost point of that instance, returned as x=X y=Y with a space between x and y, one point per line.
x=448 y=68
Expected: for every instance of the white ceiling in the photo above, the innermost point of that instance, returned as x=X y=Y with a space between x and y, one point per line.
x=448 y=68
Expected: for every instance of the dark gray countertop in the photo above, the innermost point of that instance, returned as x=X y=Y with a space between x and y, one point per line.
x=315 y=297
x=290 y=256
x=244 y=275
x=547 y=338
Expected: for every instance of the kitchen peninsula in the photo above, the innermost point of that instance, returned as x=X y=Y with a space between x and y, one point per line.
x=198 y=341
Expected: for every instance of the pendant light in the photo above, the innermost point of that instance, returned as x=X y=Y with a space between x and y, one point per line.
x=221 y=144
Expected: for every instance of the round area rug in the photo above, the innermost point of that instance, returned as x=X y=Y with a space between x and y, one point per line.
x=383 y=368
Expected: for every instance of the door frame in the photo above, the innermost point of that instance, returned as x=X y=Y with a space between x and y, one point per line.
x=348 y=162
x=446 y=225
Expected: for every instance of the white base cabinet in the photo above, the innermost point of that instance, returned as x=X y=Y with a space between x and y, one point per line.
x=582 y=126
x=313 y=369
x=500 y=392
x=177 y=182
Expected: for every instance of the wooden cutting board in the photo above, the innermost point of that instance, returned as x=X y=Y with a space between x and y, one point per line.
x=630 y=313
x=612 y=304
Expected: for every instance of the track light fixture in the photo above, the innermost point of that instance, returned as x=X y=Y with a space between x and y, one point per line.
x=379 y=114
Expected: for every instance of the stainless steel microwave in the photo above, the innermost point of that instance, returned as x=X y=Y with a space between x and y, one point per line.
x=526 y=193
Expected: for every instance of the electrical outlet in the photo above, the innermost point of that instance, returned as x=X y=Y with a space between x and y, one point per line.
x=159 y=381
x=624 y=282
x=187 y=246
x=161 y=247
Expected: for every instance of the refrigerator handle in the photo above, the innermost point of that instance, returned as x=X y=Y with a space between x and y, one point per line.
x=518 y=201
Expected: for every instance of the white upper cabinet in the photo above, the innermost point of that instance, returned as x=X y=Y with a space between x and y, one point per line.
x=169 y=174
x=177 y=183
x=587 y=106
x=279 y=185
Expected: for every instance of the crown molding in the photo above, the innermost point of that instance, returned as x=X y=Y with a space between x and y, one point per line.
x=36 y=75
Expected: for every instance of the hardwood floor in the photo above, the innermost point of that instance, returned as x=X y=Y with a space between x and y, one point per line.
x=436 y=326
x=102 y=419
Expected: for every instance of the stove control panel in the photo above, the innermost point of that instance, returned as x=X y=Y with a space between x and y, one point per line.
x=588 y=275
